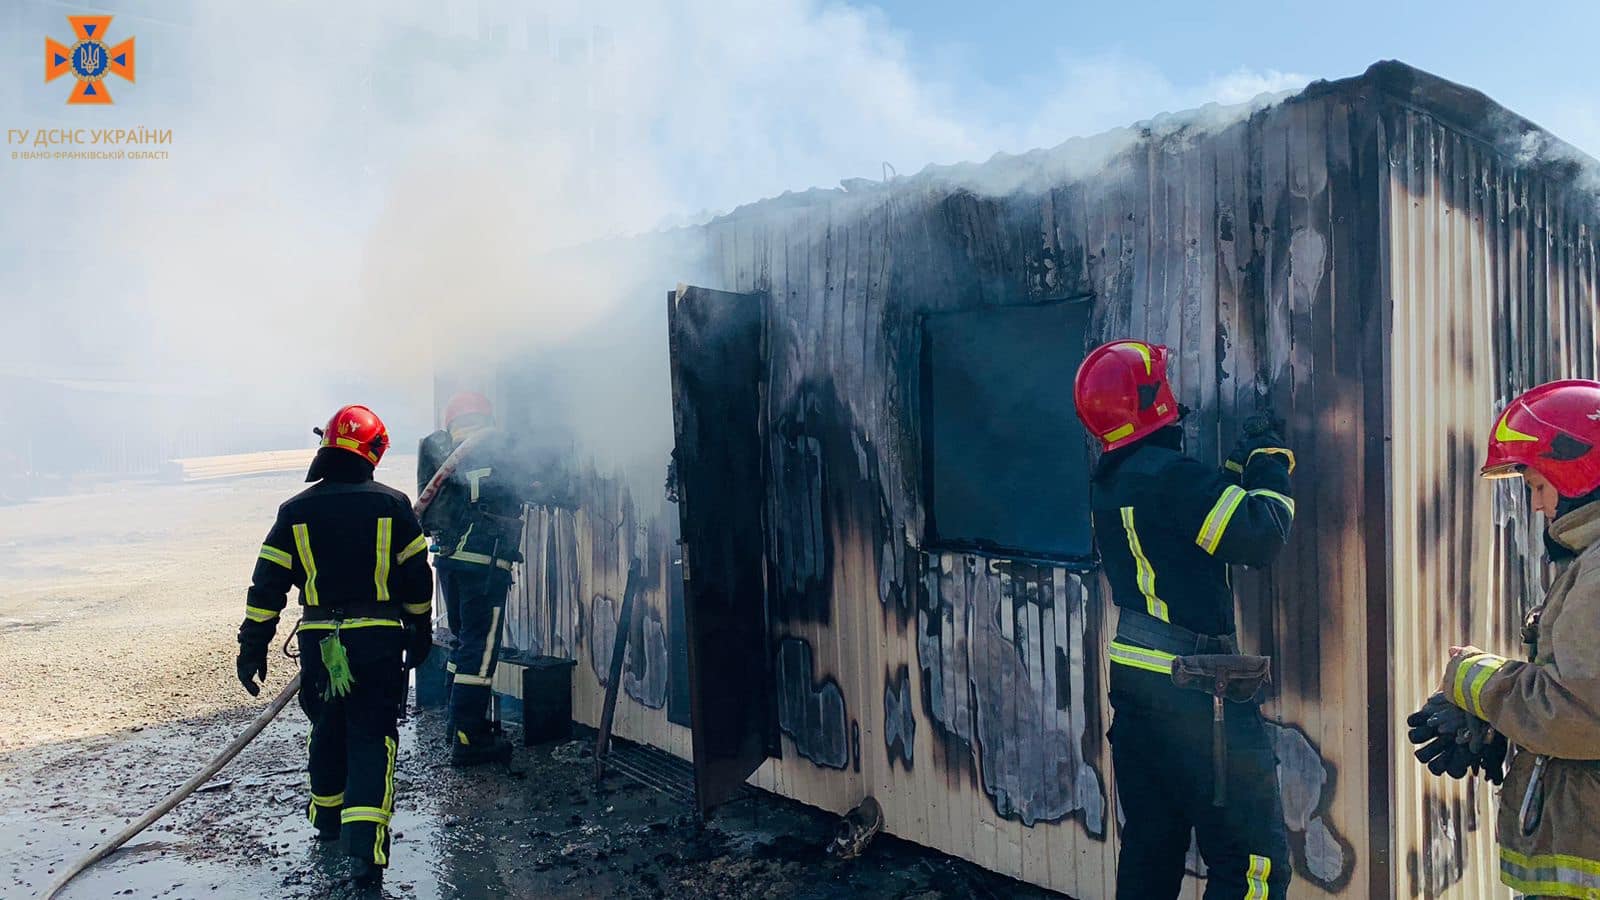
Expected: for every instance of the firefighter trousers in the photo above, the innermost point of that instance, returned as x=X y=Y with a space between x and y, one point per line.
x=1161 y=738
x=475 y=603
x=354 y=738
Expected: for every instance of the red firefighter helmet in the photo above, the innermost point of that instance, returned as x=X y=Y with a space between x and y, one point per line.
x=1553 y=429
x=466 y=403
x=1121 y=392
x=357 y=429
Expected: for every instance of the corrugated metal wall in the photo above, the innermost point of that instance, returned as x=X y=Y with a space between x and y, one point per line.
x=567 y=602
x=1492 y=276
x=965 y=693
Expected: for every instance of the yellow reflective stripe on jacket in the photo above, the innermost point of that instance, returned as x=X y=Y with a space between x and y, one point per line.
x=462 y=678
x=1256 y=878
x=418 y=609
x=473 y=478
x=1471 y=675
x=1216 y=522
x=257 y=614
x=412 y=549
x=273 y=555
x=1142 y=658
x=302 y=543
x=380 y=572
x=1273 y=451
x=1550 y=874
x=1288 y=502
x=331 y=800
x=365 y=622
x=482 y=559
x=1144 y=573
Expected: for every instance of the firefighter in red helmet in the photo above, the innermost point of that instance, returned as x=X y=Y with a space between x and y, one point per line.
x=1167 y=528
x=476 y=523
x=1547 y=705
x=357 y=554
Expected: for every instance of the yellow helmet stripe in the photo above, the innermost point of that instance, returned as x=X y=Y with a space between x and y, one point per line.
x=1505 y=434
x=1144 y=351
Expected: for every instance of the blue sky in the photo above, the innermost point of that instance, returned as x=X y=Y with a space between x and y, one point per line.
x=1539 y=59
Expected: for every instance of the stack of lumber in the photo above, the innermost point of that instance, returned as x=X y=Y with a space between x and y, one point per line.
x=203 y=468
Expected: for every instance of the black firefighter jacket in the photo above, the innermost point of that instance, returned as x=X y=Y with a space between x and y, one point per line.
x=355 y=551
x=476 y=518
x=1168 y=527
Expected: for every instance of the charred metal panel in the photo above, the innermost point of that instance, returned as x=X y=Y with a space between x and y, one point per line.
x=677 y=628
x=1493 y=283
x=716 y=341
x=1005 y=460
x=811 y=711
x=899 y=718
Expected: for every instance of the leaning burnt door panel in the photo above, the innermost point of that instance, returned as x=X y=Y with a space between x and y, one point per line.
x=716 y=347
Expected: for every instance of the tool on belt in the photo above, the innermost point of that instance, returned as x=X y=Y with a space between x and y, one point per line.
x=1533 y=798
x=1225 y=677
x=1209 y=663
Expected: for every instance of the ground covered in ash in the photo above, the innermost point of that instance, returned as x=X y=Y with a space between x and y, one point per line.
x=117 y=618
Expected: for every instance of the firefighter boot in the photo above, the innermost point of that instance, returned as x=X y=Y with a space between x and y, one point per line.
x=477 y=745
x=367 y=876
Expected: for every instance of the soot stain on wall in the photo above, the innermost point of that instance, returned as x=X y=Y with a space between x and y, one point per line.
x=810 y=712
x=989 y=681
x=644 y=662
x=899 y=718
x=1441 y=861
x=826 y=482
x=645 y=673
x=1306 y=782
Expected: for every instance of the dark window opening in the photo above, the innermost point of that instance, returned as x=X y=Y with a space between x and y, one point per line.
x=1004 y=459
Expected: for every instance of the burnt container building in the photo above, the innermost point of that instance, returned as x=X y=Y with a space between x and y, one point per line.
x=875 y=574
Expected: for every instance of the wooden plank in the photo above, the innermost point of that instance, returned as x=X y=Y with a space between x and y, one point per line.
x=984 y=846
x=1139 y=236
x=1200 y=283
x=1064 y=862
x=1035 y=840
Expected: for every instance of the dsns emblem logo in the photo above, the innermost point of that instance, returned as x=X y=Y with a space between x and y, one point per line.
x=89 y=60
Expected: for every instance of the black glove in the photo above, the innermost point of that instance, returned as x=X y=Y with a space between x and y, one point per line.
x=254 y=640
x=419 y=643
x=1421 y=721
x=1493 y=758
x=1453 y=741
x=1260 y=432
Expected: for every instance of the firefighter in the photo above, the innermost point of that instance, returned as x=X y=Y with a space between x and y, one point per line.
x=476 y=524
x=1168 y=527
x=356 y=552
x=1549 y=706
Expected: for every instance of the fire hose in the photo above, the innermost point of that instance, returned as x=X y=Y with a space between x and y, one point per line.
x=187 y=788
x=446 y=469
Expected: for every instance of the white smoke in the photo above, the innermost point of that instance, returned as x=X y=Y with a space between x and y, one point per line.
x=362 y=194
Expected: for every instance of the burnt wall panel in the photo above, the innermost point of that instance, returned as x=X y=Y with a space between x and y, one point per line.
x=1493 y=292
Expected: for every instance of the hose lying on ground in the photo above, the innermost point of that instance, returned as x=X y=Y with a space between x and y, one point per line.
x=177 y=796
